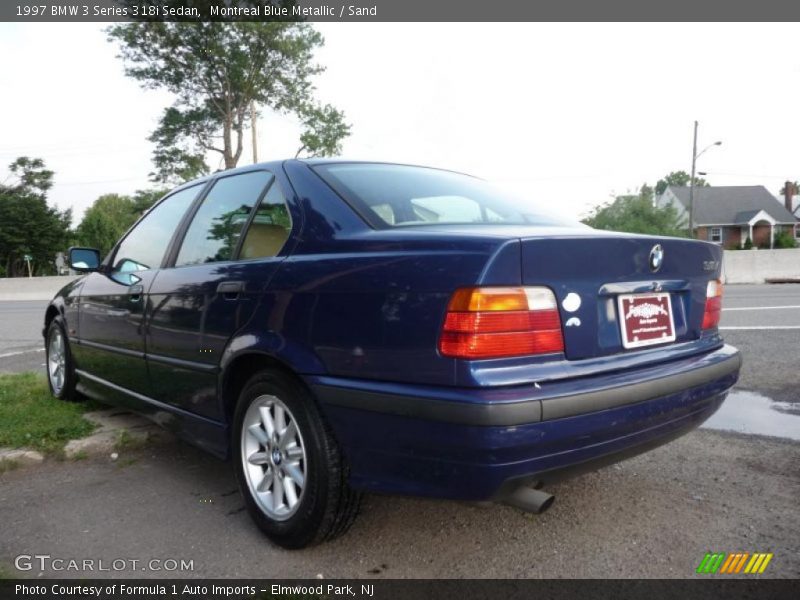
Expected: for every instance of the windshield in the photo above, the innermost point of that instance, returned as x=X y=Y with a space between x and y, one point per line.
x=397 y=195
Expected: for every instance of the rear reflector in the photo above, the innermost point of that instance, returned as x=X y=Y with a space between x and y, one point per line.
x=501 y=321
x=713 y=304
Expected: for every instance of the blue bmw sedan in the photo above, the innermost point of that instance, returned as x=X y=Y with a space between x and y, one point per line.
x=335 y=327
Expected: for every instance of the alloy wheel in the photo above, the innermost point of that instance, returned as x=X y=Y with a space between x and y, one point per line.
x=274 y=457
x=56 y=361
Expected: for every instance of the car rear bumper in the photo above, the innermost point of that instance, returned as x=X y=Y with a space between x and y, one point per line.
x=474 y=443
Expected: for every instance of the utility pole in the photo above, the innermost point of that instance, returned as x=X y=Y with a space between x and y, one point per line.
x=691 y=183
x=253 y=130
x=695 y=156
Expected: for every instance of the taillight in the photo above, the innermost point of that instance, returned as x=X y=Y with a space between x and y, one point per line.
x=493 y=322
x=713 y=304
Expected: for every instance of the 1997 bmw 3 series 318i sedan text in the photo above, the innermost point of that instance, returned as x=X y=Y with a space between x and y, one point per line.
x=334 y=327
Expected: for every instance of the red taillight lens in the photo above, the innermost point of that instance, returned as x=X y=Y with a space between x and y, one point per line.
x=713 y=304
x=501 y=321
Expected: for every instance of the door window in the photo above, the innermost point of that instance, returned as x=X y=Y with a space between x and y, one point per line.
x=144 y=247
x=216 y=228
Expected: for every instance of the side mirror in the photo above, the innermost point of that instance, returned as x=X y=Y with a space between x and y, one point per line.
x=84 y=259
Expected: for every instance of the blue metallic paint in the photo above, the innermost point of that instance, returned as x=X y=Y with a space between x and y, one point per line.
x=344 y=303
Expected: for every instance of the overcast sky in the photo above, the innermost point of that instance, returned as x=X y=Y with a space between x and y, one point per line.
x=566 y=114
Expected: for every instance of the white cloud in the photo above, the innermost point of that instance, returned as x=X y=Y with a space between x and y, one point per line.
x=565 y=113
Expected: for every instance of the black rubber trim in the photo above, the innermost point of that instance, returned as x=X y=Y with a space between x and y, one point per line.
x=461 y=413
x=502 y=414
x=568 y=406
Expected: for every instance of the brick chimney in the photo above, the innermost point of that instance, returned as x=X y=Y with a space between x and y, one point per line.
x=788 y=192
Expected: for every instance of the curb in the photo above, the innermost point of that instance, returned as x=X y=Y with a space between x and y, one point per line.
x=14 y=458
x=117 y=430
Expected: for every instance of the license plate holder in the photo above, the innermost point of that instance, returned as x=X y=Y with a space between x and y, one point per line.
x=645 y=319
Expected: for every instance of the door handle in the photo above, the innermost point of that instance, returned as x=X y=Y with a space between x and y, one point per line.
x=230 y=290
x=135 y=292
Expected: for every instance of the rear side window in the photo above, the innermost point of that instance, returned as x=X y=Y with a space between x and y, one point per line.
x=215 y=230
x=144 y=247
x=396 y=195
x=270 y=227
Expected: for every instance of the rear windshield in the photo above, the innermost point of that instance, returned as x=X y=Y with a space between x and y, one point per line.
x=397 y=195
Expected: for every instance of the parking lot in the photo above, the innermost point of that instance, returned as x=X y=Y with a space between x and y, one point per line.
x=652 y=516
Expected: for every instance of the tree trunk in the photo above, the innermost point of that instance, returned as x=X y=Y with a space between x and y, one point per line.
x=227 y=129
x=239 y=143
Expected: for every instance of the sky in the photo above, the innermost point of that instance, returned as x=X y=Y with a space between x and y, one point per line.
x=564 y=114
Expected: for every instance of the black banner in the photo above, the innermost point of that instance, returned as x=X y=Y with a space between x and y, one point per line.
x=397 y=10
x=529 y=589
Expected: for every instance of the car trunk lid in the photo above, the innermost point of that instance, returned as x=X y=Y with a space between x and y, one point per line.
x=589 y=271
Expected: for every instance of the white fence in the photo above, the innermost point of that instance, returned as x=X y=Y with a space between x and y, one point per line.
x=32 y=288
x=756 y=266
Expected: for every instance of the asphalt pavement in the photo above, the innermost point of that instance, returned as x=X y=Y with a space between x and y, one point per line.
x=21 y=343
x=652 y=516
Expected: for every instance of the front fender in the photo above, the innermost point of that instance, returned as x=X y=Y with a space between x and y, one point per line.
x=65 y=304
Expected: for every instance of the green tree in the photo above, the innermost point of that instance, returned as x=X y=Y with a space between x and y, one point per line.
x=110 y=216
x=144 y=199
x=215 y=70
x=105 y=221
x=28 y=225
x=324 y=128
x=678 y=178
x=636 y=213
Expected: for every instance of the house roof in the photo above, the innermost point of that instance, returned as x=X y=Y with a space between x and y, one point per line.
x=735 y=204
x=744 y=217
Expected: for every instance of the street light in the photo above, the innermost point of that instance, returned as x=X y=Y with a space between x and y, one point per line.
x=695 y=156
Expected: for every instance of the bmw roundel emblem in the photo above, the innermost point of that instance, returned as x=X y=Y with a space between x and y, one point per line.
x=656 y=257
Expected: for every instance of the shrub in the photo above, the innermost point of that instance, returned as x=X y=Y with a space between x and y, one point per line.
x=748 y=243
x=784 y=239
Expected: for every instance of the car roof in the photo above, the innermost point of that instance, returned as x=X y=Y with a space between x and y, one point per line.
x=274 y=165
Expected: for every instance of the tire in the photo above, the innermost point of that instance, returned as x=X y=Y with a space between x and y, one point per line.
x=314 y=502
x=60 y=367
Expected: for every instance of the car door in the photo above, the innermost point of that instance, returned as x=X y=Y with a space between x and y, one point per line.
x=227 y=256
x=109 y=349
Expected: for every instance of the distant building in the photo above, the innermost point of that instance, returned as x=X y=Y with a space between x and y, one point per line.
x=728 y=215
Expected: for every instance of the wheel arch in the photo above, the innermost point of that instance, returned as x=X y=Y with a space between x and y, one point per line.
x=52 y=312
x=241 y=368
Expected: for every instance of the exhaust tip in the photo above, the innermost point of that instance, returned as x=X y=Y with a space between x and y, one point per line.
x=530 y=500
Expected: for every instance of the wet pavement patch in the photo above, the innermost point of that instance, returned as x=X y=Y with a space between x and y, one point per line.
x=753 y=413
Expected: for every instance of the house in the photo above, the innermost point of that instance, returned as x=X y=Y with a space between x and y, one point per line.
x=729 y=215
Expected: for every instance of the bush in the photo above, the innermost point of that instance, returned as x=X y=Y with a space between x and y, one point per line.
x=748 y=243
x=785 y=239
